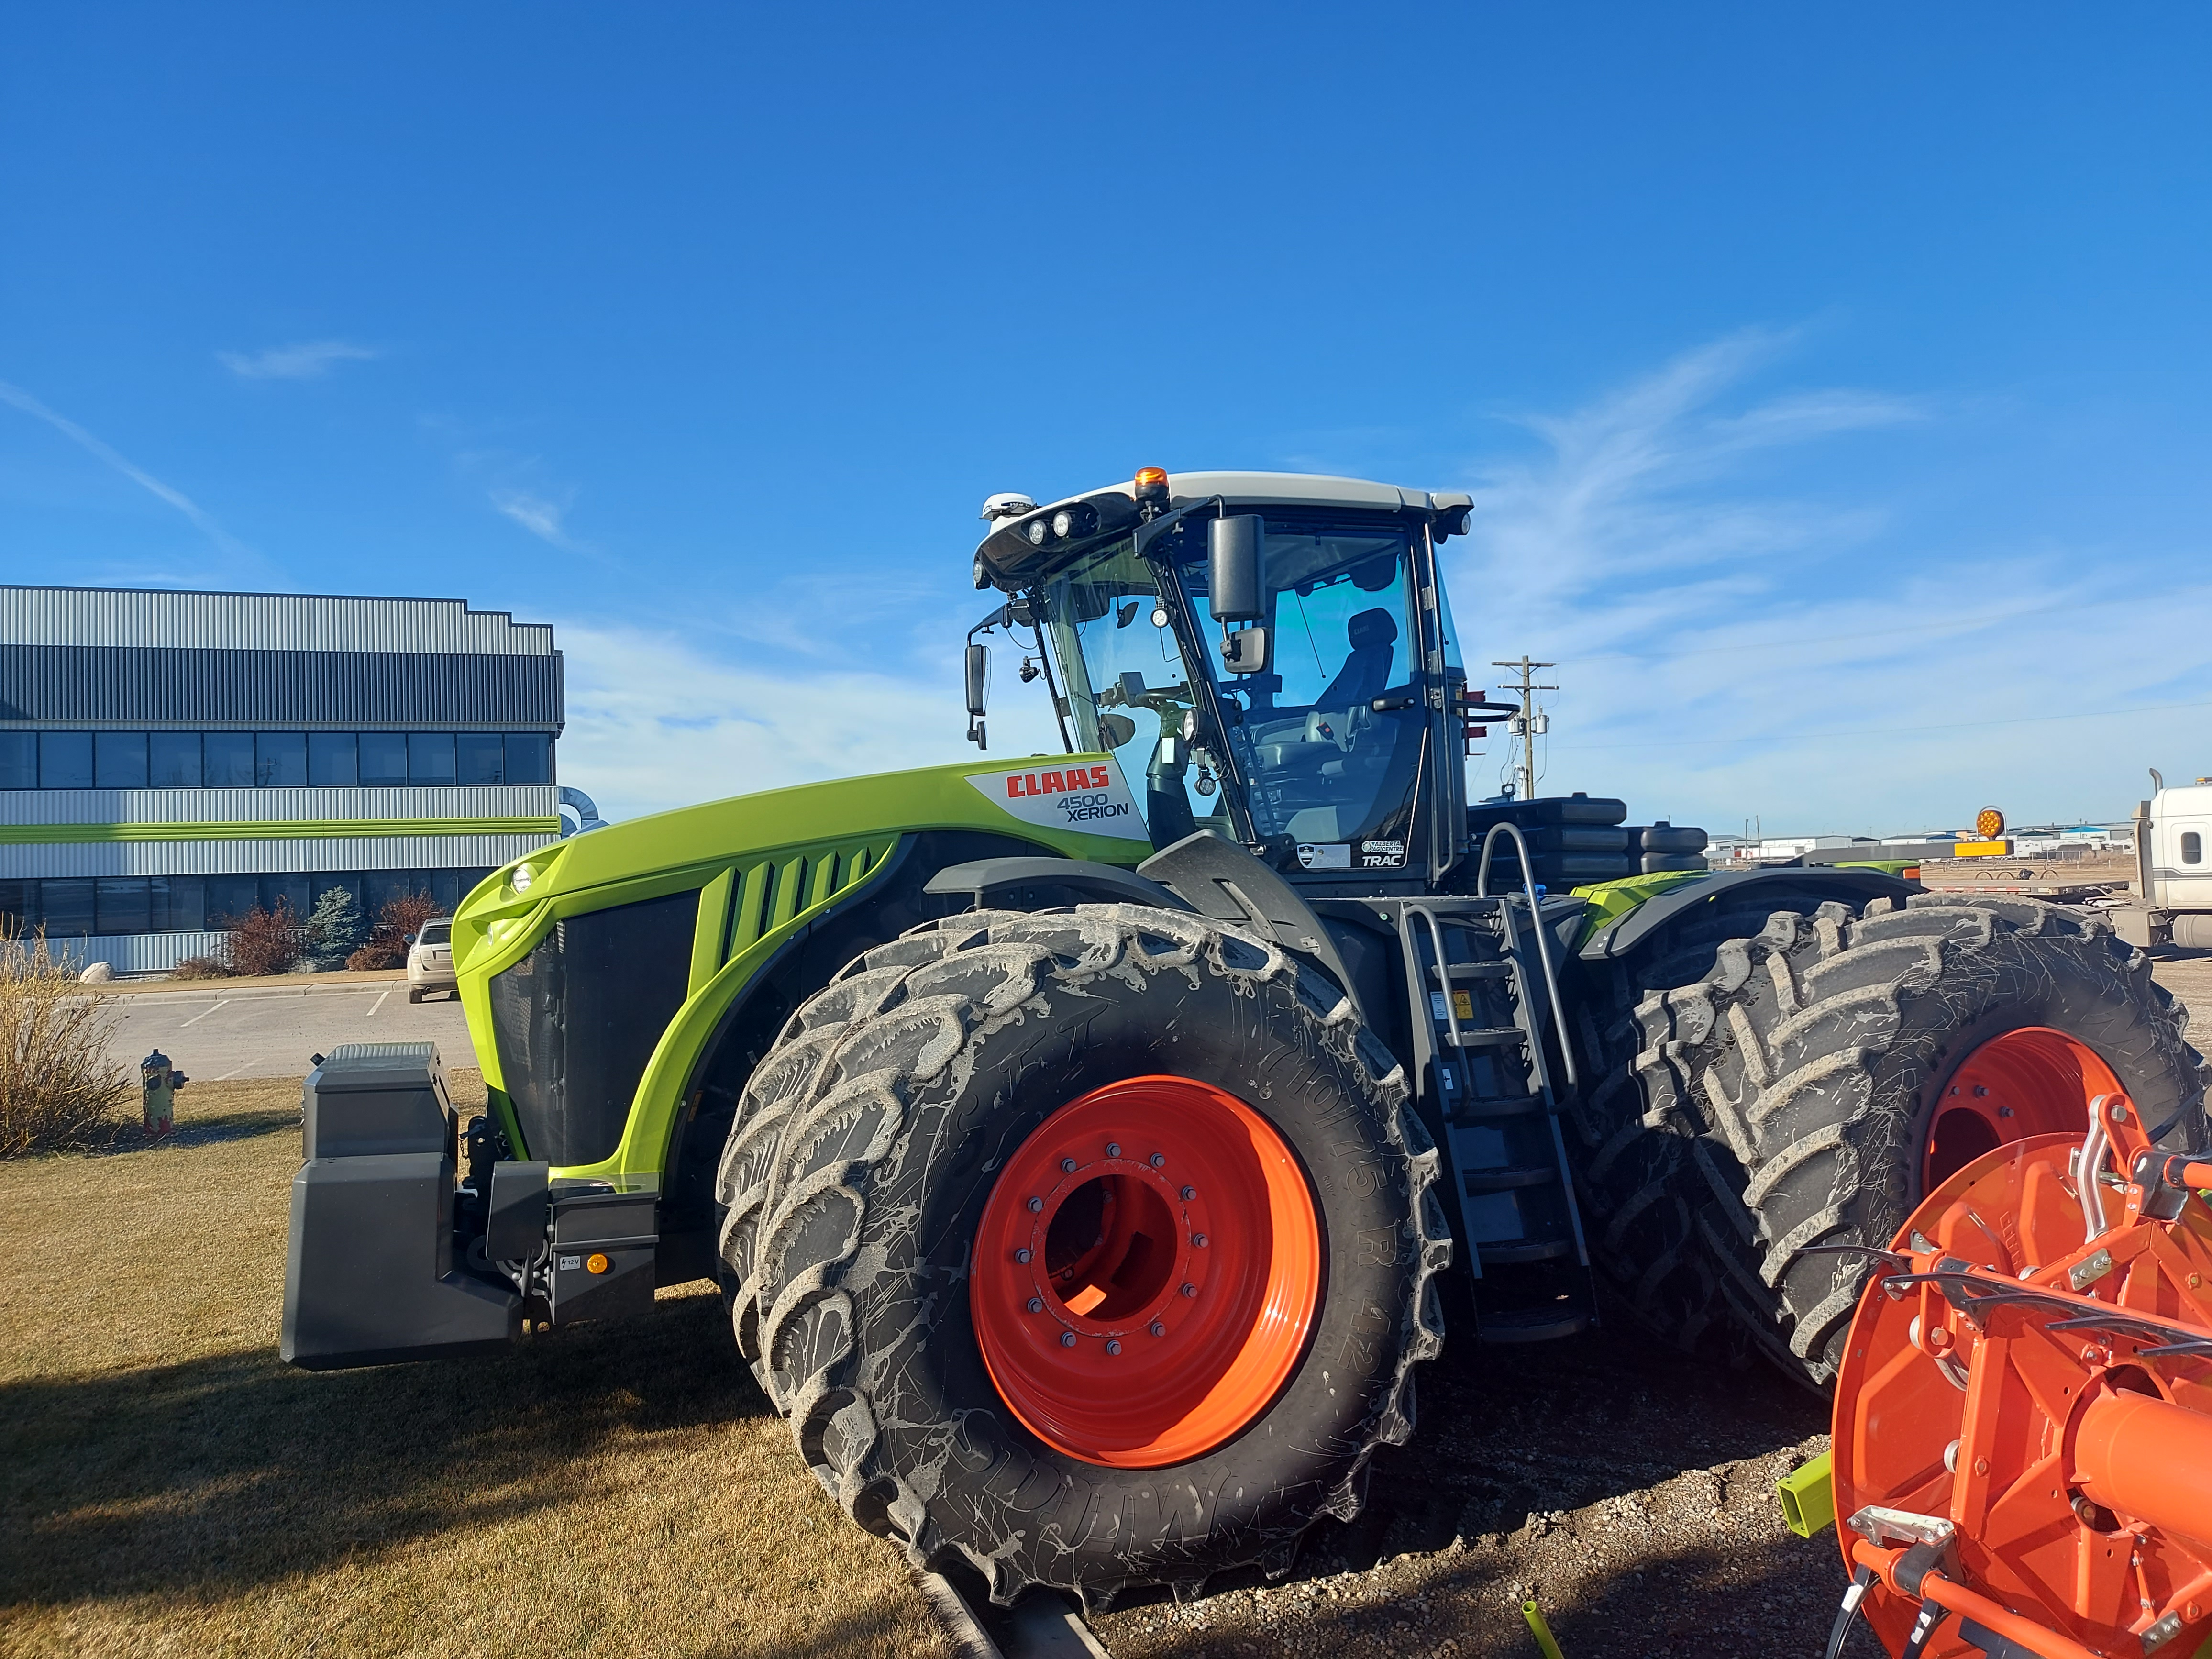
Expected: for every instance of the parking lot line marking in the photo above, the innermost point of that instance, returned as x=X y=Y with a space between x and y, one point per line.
x=379 y=1003
x=227 y=1076
x=203 y=1014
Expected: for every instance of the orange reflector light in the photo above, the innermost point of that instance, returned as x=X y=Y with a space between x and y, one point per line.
x=1151 y=475
x=597 y=1262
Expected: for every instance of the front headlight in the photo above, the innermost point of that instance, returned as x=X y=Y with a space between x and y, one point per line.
x=524 y=875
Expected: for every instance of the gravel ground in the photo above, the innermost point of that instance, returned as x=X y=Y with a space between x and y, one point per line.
x=1628 y=1491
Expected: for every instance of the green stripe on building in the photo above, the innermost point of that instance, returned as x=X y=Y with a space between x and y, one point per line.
x=20 y=835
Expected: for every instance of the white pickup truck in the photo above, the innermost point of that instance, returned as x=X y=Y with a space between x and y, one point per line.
x=2171 y=900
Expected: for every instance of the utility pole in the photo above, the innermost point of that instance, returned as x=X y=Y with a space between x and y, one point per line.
x=1526 y=721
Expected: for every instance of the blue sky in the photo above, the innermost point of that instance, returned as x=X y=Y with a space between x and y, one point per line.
x=1835 y=385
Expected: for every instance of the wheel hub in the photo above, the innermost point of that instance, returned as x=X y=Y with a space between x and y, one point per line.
x=1146 y=1273
x=2032 y=1081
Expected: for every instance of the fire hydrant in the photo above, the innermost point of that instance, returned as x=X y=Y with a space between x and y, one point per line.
x=160 y=1081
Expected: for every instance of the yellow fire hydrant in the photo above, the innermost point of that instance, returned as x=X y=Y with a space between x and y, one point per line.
x=160 y=1081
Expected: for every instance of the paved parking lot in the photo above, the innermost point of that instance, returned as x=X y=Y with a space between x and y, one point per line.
x=270 y=1030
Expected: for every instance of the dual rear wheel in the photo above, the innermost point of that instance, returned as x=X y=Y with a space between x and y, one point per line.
x=1776 y=1086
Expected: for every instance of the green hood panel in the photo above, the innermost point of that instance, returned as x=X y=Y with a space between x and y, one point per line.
x=765 y=867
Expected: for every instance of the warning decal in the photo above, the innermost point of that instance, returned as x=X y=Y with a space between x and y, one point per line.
x=1091 y=797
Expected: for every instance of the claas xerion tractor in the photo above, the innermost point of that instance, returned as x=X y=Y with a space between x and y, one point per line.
x=1078 y=1141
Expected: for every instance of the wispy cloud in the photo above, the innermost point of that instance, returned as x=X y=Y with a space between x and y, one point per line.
x=17 y=398
x=537 y=515
x=1730 y=647
x=656 y=722
x=308 y=360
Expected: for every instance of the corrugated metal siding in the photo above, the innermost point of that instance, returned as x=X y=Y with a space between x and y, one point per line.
x=261 y=622
x=156 y=685
x=137 y=953
x=277 y=806
x=226 y=858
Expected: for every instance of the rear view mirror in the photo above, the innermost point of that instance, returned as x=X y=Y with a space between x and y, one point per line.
x=979 y=685
x=1115 y=730
x=979 y=678
x=1246 y=651
x=1235 y=573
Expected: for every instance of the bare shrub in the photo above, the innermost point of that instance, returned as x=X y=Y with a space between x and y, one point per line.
x=57 y=1086
x=401 y=919
x=262 y=941
x=200 y=967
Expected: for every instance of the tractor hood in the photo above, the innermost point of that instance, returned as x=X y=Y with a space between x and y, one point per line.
x=1078 y=805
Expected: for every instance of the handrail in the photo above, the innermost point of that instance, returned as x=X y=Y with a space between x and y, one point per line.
x=1443 y=972
x=1536 y=921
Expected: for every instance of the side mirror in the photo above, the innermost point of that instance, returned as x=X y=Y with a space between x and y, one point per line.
x=1115 y=730
x=407 y=938
x=1235 y=572
x=1246 y=651
x=979 y=684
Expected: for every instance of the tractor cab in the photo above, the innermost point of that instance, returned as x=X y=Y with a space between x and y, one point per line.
x=1271 y=653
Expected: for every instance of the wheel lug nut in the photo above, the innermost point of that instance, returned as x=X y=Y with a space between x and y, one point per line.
x=1190 y=1290
x=1158 y=1329
x=1022 y=1256
x=1037 y=1304
x=1113 y=1347
x=1068 y=1165
x=1159 y=1160
x=1067 y=1339
x=1035 y=1205
x=1198 y=1241
x=1188 y=1193
x=1113 y=1149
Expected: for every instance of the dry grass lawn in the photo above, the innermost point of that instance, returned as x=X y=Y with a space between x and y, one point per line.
x=168 y=1486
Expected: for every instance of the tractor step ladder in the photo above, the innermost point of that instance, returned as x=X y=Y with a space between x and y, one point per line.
x=1492 y=1081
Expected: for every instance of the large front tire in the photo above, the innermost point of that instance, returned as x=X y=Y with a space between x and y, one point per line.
x=954 y=1055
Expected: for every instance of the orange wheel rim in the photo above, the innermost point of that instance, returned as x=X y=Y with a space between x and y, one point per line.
x=2033 y=1081
x=1146 y=1273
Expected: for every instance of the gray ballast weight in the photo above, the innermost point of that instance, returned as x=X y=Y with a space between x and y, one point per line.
x=369 y=1275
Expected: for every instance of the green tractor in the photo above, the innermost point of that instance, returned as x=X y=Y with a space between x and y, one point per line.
x=1079 y=1140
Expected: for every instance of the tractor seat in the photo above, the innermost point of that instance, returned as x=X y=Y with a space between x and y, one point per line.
x=1367 y=669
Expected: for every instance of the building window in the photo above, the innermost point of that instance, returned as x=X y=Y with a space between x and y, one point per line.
x=122 y=904
x=113 y=905
x=229 y=897
x=19 y=760
x=271 y=760
x=280 y=760
x=383 y=757
x=173 y=760
x=64 y=760
x=429 y=757
x=66 y=907
x=118 y=760
x=229 y=762
x=2192 y=847
x=482 y=759
x=529 y=757
x=333 y=760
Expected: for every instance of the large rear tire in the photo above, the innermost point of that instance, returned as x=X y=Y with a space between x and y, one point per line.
x=1215 y=1321
x=1637 y=1132
x=1840 y=1064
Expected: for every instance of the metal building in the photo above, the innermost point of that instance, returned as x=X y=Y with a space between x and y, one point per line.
x=168 y=761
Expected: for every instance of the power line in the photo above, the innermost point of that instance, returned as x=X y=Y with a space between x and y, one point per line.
x=1528 y=719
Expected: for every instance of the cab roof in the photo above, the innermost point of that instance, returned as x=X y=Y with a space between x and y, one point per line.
x=1006 y=559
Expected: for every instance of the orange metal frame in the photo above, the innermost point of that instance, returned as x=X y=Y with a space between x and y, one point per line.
x=2047 y=1393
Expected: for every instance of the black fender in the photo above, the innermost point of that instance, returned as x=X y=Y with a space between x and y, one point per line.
x=1853 y=887
x=1047 y=884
